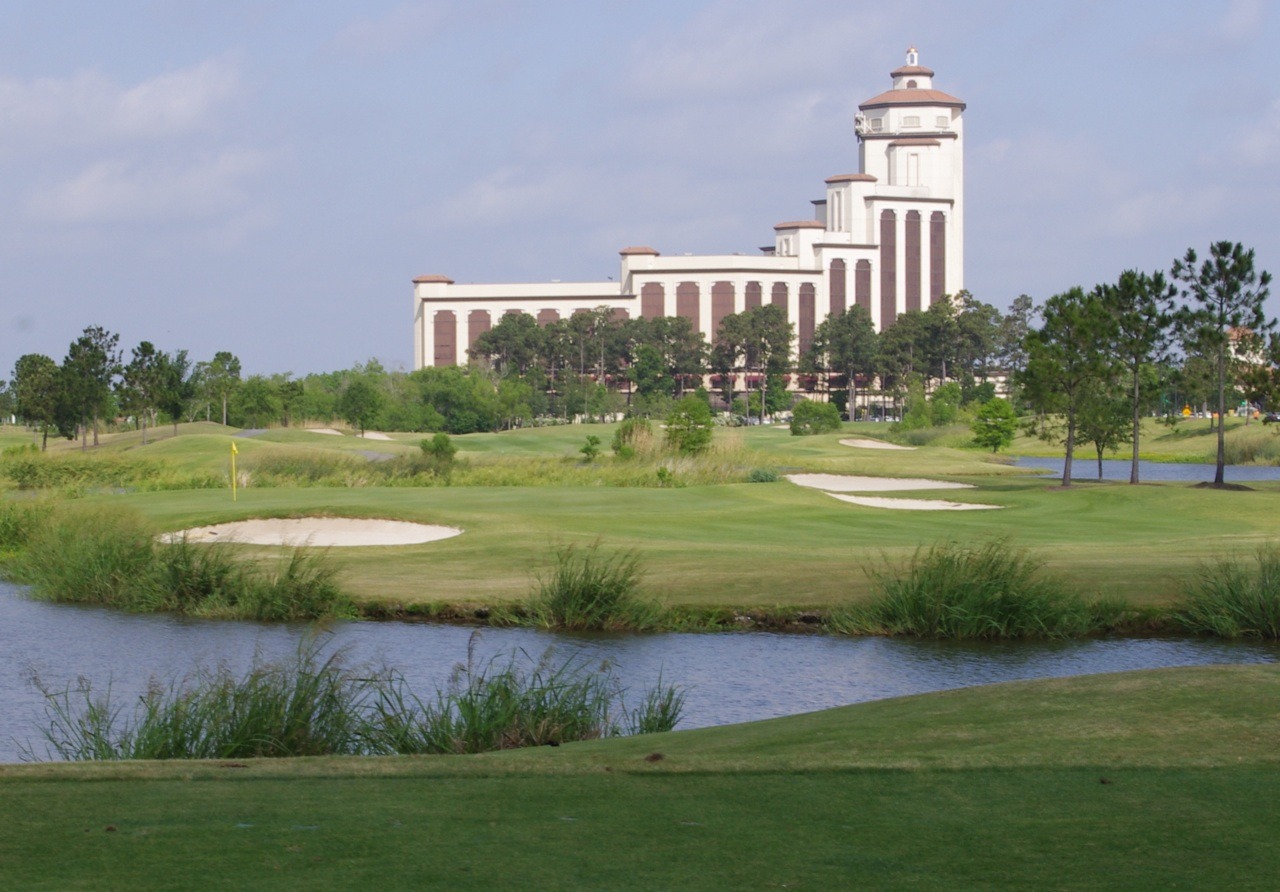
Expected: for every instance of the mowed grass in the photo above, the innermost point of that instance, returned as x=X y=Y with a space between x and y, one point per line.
x=754 y=545
x=1027 y=785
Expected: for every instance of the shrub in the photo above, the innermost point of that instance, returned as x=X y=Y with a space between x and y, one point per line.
x=994 y=425
x=966 y=592
x=689 y=426
x=809 y=417
x=591 y=449
x=587 y=590
x=633 y=437
x=762 y=475
x=1232 y=598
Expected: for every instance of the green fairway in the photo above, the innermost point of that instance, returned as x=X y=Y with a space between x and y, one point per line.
x=1142 y=780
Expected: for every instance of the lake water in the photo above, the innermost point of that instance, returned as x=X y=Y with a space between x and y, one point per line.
x=1086 y=468
x=730 y=677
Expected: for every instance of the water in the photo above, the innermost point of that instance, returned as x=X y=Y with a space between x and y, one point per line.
x=730 y=677
x=1086 y=468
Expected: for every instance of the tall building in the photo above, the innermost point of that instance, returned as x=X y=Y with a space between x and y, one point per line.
x=889 y=238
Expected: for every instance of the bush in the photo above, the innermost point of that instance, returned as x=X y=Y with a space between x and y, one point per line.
x=809 y=417
x=590 y=591
x=762 y=475
x=633 y=437
x=689 y=426
x=973 y=592
x=1231 y=598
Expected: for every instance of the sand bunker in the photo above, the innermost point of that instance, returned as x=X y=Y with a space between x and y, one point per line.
x=374 y=435
x=911 y=504
x=875 y=444
x=320 y=532
x=850 y=483
x=324 y=430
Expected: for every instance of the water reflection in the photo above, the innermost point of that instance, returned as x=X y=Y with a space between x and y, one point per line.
x=730 y=677
x=1086 y=468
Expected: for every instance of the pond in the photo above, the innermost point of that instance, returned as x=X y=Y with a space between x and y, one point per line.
x=730 y=677
x=1085 y=467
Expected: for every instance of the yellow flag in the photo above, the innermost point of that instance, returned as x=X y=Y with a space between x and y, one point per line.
x=234 y=450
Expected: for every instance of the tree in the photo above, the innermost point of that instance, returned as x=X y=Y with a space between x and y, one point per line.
x=141 y=384
x=1011 y=341
x=1103 y=418
x=91 y=365
x=258 y=401
x=177 y=386
x=1140 y=306
x=512 y=346
x=1064 y=356
x=756 y=340
x=221 y=377
x=994 y=424
x=848 y=344
x=38 y=393
x=359 y=404
x=1225 y=296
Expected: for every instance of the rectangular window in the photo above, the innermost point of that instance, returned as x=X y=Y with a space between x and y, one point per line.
x=910 y=120
x=943 y=122
x=877 y=124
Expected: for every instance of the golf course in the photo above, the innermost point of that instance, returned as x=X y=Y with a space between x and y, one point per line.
x=1164 y=777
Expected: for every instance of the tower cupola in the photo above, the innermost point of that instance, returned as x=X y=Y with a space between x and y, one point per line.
x=912 y=75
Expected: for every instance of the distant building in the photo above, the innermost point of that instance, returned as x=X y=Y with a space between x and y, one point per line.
x=889 y=237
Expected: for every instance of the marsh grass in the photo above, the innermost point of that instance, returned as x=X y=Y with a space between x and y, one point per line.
x=315 y=705
x=305 y=467
x=985 y=591
x=1231 y=597
x=590 y=590
x=1257 y=445
x=75 y=473
x=113 y=558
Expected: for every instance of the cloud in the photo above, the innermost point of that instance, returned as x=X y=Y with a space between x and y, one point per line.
x=402 y=28
x=89 y=109
x=131 y=192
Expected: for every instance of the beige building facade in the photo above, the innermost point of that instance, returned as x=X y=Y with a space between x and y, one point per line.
x=889 y=237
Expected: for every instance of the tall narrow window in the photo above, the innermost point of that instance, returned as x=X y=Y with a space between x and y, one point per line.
x=652 y=297
x=477 y=324
x=913 y=260
x=808 y=312
x=937 y=255
x=687 y=295
x=753 y=297
x=888 y=269
x=836 y=285
x=445 y=325
x=721 y=305
x=862 y=284
x=778 y=297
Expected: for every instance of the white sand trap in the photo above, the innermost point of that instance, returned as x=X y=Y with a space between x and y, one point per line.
x=374 y=435
x=911 y=504
x=875 y=444
x=850 y=483
x=324 y=430
x=320 y=532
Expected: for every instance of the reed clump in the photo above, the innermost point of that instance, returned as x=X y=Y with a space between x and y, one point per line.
x=1233 y=597
x=314 y=705
x=73 y=473
x=985 y=591
x=113 y=558
x=587 y=590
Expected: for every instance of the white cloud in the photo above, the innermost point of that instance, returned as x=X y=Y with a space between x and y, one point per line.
x=131 y=192
x=89 y=109
x=403 y=27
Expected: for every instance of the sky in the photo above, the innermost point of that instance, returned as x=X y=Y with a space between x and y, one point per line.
x=267 y=177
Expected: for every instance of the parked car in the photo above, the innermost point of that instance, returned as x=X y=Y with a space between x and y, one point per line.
x=1270 y=417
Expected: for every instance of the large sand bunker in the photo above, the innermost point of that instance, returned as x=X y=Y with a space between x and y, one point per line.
x=851 y=483
x=860 y=443
x=320 y=532
x=911 y=504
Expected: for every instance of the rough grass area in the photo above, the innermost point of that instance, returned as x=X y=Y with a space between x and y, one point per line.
x=96 y=555
x=314 y=705
x=985 y=591
x=590 y=590
x=1231 y=597
x=1143 y=780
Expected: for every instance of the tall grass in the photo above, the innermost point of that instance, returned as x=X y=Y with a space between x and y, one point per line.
x=113 y=558
x=590 y=590
x=1233 y=598
x=1252 y=446
x=314 y=705
x=75 y=473
x=972 y=592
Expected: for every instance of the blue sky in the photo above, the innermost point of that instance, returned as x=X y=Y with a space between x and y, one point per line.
x=267 y=177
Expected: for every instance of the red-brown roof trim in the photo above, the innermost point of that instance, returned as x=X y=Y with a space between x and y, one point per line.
x=852 y=178
x=911 y=69
x=913 y=97
x=801 y=224
x=433 y=280
x=638 y=250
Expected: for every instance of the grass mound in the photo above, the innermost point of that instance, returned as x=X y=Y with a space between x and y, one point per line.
x=973 y=592
x=1233 y=598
